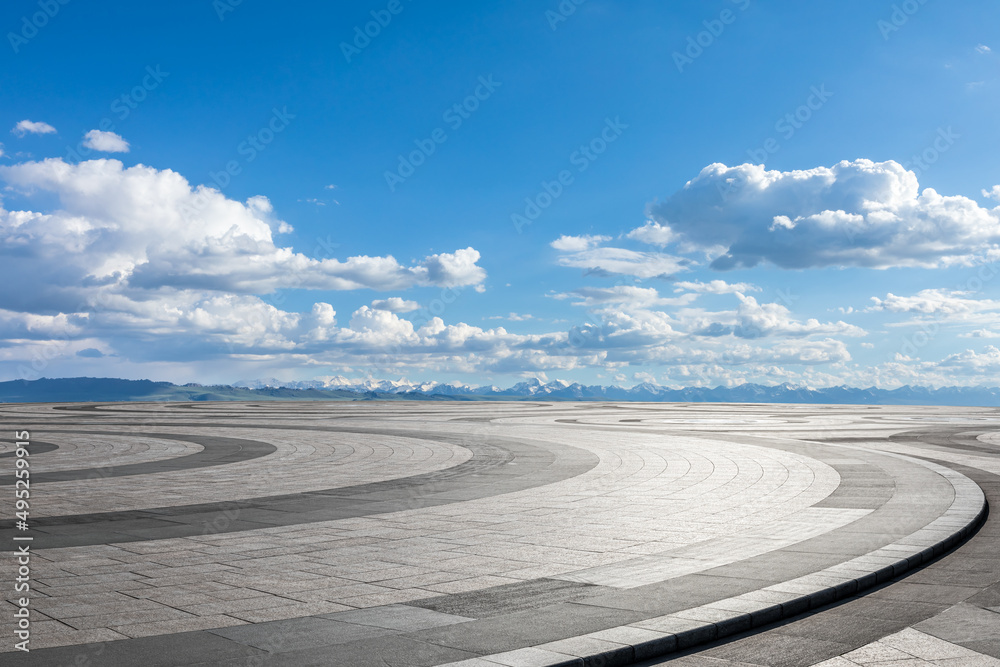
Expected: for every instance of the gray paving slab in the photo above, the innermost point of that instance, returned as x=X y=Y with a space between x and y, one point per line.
x=962 y=623
x=389 y=650
x=529 y=628
x=162 y=651
x=777 y=650
x=298 y=633
x=509 y=598
x=405 y=618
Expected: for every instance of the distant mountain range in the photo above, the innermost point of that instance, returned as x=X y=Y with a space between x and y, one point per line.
x=342 y=389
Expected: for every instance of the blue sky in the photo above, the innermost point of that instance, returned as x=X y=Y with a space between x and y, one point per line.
x=212 y=191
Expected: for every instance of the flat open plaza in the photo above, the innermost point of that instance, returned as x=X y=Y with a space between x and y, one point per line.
x=483 y=534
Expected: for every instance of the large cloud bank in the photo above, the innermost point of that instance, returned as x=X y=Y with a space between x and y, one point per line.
x=860 y=213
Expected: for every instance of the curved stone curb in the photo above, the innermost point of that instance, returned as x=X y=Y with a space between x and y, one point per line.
x=681 y=630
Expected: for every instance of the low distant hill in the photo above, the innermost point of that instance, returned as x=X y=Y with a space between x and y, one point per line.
x=64 y=390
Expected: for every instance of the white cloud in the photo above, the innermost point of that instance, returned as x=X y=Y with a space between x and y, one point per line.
x=653 y=233
x=992 y=193
x=145 y=229
x=453 y=269
x=513 y=317
x=394 y=304
x=623 y=295
x=980 y=333
x=577 y=243
x=859 y=213
x=715 y=287
x=138 y=266
x=584 y=252
x=24 y=127
x=814 y=352
x=758 y=320
x=941 y=303
x=983 y=49
x=972 y=363
x=106 y=142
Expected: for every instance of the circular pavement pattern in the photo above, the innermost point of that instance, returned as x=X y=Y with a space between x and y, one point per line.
x=475 y=534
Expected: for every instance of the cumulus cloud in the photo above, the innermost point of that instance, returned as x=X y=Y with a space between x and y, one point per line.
x=758 y=320
x=455 y=269
x=145 y=268
x=715 y=287
x=106 y=142
x=809 y=352
x=586 y=252
x=980 y=333
x=992 y=193
x=974 y=363
x=24 y=127
x=145 y=229
x=137 y=264
x=860 y=213
x=653 y=233
x=394 y=304
x=941 y=303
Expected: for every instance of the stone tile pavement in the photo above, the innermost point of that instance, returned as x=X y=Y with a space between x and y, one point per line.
x=488 y=533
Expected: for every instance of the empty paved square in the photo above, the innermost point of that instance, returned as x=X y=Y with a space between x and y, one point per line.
x=490 y=533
